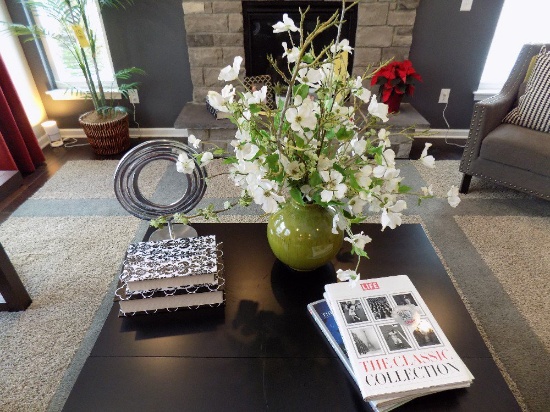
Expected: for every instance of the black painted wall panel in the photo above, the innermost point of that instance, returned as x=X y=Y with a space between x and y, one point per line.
x=449 y=51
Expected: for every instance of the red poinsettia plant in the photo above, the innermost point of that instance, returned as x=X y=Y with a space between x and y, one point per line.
x=395 y=79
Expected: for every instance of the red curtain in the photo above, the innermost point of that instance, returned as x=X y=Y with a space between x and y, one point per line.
x=19 y=149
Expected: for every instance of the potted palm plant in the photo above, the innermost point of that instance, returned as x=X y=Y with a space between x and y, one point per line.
x=107 y=126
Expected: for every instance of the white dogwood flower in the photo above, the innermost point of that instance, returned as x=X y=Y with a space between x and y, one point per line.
x=426 y=160
x=348 y=274
x=359 y=146
x=206 y=157
x=384 y=137
x=333 y=185
x=230 y=73
x=452 y=196
x=324 y=163
x=427 y=191
x=309 y=76
x=292 y=55
x=356 y=205
x=338 y=222
x=184 y=164
x=391 y=216
x=363 y=176
x=265 y=195
x=226 y=204
x=359 y=240
x=295 y=169
x=193 y=141
x=257 y=96
x=342 y=46
x=379 y=110
x=286 y=25
x=302 y=116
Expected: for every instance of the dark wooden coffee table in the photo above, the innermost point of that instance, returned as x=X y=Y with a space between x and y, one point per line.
x=262 y=351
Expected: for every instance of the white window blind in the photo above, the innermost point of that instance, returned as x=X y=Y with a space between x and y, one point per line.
x=520 y=22
x=66 y=72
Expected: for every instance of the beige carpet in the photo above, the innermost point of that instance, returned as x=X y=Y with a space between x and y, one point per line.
x=67 y=265
x=93 y=179
x=517 y=249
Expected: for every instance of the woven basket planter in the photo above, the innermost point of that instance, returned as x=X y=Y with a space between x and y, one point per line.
x=106 y=136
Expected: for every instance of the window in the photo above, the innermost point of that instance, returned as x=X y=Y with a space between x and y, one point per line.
x=66 y=72
x=520 y=22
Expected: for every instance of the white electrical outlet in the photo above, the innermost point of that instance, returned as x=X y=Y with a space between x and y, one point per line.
x=133 y=96
x=466 y=5
x=444 y=95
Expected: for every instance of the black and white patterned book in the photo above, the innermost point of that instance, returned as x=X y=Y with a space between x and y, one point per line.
x=170 y=263
x=173 y=299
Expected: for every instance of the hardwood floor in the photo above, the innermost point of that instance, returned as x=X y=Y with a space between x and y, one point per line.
x=57 y=157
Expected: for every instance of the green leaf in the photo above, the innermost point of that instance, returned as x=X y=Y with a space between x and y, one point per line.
x=230 y=160
x=296 y=194
x=404 y=189
x=125 y=74
x=218 y=152
x=359 y=252
x=301 y=90
x=339 y=168
x=308 y=58
x=343 y=134
x=315 y=179
x=353 y=183
x=299 y=142
x=273 y=162
x=255 y=108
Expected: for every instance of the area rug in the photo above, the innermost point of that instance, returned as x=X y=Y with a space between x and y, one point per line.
x=494 y=247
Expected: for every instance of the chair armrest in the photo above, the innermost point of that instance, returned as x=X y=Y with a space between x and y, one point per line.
x=487 y=115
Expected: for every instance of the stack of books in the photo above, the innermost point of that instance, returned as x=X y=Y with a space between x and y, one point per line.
x=388 y=340
x=167 y=275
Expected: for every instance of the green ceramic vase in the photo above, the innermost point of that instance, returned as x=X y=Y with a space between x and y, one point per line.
x=301 y=236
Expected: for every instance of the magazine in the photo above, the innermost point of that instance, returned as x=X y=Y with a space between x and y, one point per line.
x=324 y=319
x=391 y=355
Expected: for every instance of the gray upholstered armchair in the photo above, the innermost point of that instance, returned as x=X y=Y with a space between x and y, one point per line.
x=510 y=155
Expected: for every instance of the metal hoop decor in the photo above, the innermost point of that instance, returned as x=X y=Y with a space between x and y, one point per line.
x=130 y=166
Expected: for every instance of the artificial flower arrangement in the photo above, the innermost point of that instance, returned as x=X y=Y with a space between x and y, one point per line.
x=396 y=79
x=323 y=150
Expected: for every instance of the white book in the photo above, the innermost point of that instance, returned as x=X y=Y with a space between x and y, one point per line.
x=390 y=358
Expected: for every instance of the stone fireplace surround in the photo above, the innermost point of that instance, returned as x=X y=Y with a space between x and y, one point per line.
x=215 y=36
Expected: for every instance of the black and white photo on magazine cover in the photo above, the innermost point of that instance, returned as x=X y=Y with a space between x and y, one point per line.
x=404 y=299
x=366 y=341
x=425 y=334
x=395 y=337
x=353 y=311
x=380 y=307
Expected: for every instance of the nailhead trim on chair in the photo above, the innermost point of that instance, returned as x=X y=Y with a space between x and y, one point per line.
x=504 y=183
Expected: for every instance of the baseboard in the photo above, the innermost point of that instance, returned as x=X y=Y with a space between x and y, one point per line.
x=43 y=141
x=136 y=133
x=446 y=134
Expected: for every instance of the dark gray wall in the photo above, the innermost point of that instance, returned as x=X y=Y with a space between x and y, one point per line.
x=149 y=35
x=449 y=50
